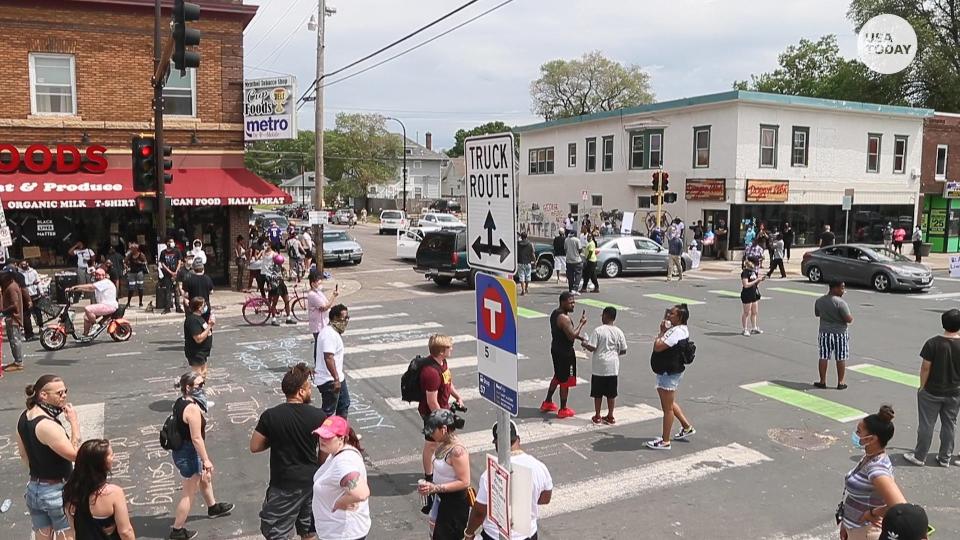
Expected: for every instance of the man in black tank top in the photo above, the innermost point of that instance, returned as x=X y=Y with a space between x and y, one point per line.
x=563 y=335
x=47 y=452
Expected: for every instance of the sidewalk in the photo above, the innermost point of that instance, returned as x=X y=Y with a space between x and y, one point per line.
x=938 y=262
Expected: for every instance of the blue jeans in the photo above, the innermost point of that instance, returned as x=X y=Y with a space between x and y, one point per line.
x=187 y=460
x=334 y=402
x=45 y=502
x=574 y=273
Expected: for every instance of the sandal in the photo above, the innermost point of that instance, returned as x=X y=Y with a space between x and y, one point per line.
x=841 y=387
x=609 y=420
x=596 y=419
x=820 y=385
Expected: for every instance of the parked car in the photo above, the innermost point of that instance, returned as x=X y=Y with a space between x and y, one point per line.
x=440 y=221
x=392 y=220
x=408 y=240
x=864 y=264
x=633 y=254
x=446 y=206
x=263 y=221
x=345 y=216
x=442 y=257
x=338 y=246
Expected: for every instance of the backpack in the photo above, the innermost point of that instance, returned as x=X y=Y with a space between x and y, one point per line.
x=170 y=438
x=410 y=390
x=688 y=351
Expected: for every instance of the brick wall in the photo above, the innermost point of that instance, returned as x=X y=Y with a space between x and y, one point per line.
x=939 y=129
x=239 y=226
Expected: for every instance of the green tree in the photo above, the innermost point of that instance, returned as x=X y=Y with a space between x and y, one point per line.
x=360 y=152
x=489 y=127
x=587 y=85
x=279 y=160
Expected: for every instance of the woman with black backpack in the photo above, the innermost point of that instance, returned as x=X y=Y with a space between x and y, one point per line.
x=672 y=351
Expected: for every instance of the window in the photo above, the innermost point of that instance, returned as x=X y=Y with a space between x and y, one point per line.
x=701 y=147
x=900 y=154
x=572 y=154
x=799 y=147
x=643 y=201
x=873 y=152
x=418 y=164
x=541 y=161
x=596 y=200
x=608 y=153
x=574 y=209
x=636 y=151
x=592 y=154
x=768 y=146
x=941 y=172
x=656 y=150
x=179 y=95
x=53 y=85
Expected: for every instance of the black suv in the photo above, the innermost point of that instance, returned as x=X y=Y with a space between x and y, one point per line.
x=442 y=257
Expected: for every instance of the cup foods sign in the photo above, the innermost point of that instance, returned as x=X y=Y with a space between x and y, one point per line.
x=268 y=109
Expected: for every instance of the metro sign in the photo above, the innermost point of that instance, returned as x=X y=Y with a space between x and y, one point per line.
x=497 y=341
x=61 y=159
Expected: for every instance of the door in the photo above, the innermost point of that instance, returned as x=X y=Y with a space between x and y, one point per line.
x=407 y=243
x=653 y=258
x=857 y=266
x=711 y=220
x=833 y=263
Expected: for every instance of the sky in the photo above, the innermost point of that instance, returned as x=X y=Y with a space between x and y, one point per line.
x=482 y=71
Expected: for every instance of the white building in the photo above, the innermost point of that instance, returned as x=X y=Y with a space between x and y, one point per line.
x=425 y=169
x=735 y=156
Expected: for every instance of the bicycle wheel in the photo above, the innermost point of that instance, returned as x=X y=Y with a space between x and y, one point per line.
x=299 y=309
x=256 y=311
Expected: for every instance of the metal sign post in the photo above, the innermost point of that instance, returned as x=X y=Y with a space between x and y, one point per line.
x=847 y=205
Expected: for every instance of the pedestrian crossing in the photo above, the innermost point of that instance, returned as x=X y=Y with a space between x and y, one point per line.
x=472 y=393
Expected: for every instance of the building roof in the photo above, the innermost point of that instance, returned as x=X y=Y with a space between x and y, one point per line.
x=420 y=151
x=307 y=181
x=456 y=169
x=210 y=6
x=741 y=96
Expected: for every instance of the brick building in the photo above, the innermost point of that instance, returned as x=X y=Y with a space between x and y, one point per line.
x=77 y=83
x=940 y=183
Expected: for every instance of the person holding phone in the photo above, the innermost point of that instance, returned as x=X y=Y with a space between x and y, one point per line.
x=563 y=334
x=318 y=305
x=750 y=296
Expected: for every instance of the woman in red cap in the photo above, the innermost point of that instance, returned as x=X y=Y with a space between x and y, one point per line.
x=340 y=490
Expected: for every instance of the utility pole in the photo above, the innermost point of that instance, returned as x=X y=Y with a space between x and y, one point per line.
x=318 y=127
x=160 y=220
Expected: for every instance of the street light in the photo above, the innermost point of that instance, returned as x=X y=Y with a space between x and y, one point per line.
x=404 y=160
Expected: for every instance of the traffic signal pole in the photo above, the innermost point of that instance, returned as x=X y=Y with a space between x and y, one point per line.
x=161 y=67
x=659 y=197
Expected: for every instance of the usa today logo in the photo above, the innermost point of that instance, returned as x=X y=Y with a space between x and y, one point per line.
x=887 y=44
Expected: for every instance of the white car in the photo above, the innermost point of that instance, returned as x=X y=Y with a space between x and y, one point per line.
x=392 y=220
x=408 y=240
x=437 y=220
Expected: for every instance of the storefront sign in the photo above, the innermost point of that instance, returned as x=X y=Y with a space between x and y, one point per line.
x=706 y=189
x=62 y=159
x=951 y=190
x=938 y=222
x=768 y=190
x=268 y=110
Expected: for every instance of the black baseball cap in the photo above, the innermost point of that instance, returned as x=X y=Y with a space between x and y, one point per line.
x=513 y=432
x=904 y=522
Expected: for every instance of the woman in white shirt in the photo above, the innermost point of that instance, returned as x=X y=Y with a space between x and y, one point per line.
x=451 y=477
x=198 y=252
x=340 y=490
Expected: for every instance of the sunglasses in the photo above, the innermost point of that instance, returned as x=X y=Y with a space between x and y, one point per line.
x=59 y=393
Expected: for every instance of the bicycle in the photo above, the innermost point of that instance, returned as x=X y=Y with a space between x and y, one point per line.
x=256 y=310
x=298 y=305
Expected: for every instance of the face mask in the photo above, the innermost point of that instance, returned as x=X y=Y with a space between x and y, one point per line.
x=855 y=439
x=52 y=410
x=667 y=323
x=339 y=326
x=200 y=397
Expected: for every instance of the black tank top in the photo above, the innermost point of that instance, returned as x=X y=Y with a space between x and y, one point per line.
x=559 y=340
x=183 y=427
x=44 y=462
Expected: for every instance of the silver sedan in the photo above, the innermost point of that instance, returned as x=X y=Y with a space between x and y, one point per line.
x=338 y=246
x=862 y=264
x=633 y=254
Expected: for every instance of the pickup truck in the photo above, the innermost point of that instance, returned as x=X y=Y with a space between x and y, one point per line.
x=442 y=257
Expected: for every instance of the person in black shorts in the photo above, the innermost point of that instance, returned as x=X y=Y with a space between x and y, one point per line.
x=197 y=336
x=199 y=284
x=750 y=297
x=563 y=335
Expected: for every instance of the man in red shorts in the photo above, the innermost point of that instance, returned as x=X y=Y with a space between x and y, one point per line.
x=563 y=334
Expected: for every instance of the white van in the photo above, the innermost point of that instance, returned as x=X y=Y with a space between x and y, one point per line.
x=392 y=220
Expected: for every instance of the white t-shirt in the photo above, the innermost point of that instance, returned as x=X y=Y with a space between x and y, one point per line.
x=609 y=341
x=339 y=524
x=328 y=341
x=542 y=481
x=673 y=335
x=83 y=255
x=106 y=293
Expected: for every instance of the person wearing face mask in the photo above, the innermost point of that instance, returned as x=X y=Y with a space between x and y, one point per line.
x=191 y=459
x=136 y=263
x=48 y=453
x=170 y=263
x=451 y=477
x=869 y=488
x=330 y=378
x=667 y=361
x=31 y=280
x=341 y=507
x=287 y=431
x=198 y=283
x=266 y=263
x=197 y=336
x=318 y=305
x=254 y=263
x=198 y=252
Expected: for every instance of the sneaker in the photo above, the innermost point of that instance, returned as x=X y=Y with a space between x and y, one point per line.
x=290 y=320
x=684 y=433
x=575 y=293
x=746 y=333
x=219 y=509
x=274 y=322
x=913 y=459
x=182 y=534
x=566 y=412
x=164 y=312
x=548 y=406
x=757 y=331
x=658 y=444
x=943 y=463
x=13 y=367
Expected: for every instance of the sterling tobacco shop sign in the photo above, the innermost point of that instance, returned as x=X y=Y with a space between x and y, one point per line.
x=268 y=110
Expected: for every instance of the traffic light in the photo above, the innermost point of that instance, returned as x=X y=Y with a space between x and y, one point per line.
x=144 y=171
x=665 y=180
x=146 y=205
x=167 y=164
x=656 y=182
x=660 y=181
x=183 y=37
x=655 y=200
x=669 y=197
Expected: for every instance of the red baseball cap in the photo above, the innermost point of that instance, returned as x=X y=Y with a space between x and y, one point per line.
x=333 y=426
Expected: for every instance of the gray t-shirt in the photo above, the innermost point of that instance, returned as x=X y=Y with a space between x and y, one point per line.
x=572 y=246
x=832 y=311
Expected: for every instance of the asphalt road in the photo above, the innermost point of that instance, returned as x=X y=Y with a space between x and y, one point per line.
x=760 y=466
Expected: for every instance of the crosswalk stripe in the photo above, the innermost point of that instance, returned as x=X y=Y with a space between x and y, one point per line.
x=533 y=432
x=600 y=303
x=652 y=476
x=396 y=370
x=892 y=375
x=530 y=314
x=796 y=291
x=391 y=329
x=398 y=284
x=696 y=275
x=941 y=296
x=91 y=420
x=472 y=393
x=674 y=299
x=376 y=317
x=408 y=344
x=361 y=308
x=732 y=294
x=808 y=402
x=424 y=293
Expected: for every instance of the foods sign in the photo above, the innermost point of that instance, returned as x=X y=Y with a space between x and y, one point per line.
x=768 y=190
x=706 y=189
x=268 y=109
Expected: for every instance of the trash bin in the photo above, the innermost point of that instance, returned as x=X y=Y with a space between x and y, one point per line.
x=925 y=249
x=62 y=280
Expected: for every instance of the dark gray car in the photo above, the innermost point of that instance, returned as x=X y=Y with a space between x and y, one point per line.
x=633 y=254
x=863 y=264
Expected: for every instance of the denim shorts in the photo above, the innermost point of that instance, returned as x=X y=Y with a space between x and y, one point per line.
x=45 y=502
x=187 y=460
x=669 y=381
x=524 y=272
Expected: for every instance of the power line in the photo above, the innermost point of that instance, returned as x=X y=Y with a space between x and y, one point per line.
x=275 y=23
x=284 y=43
x=258 y=68
x=382 y=49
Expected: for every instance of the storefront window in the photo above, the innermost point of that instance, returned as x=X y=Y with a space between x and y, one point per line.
x=866 y=221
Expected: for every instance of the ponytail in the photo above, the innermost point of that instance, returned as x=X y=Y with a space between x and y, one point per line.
x=353 y=440
x=32 y=390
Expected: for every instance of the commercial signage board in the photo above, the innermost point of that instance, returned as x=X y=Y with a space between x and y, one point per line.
x=498 y=487
x=491 y=203
x=706 y=189
x=951 y=190
x=496 y=302
x=768 y=190
x=269 y=112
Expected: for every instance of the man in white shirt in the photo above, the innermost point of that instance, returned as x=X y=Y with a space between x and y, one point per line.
x=608 y=344
x=83 y=254
x=32 y=280
x=541 y=492
x=329 y=377
x=105 y=298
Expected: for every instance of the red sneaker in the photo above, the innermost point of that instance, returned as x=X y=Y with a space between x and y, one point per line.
x=548 y=406
x=566 y=412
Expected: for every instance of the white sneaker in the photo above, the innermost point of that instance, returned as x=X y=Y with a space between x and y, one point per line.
x=746 y=333
x=658 y=444
x=913 y=459
x=757 y=331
